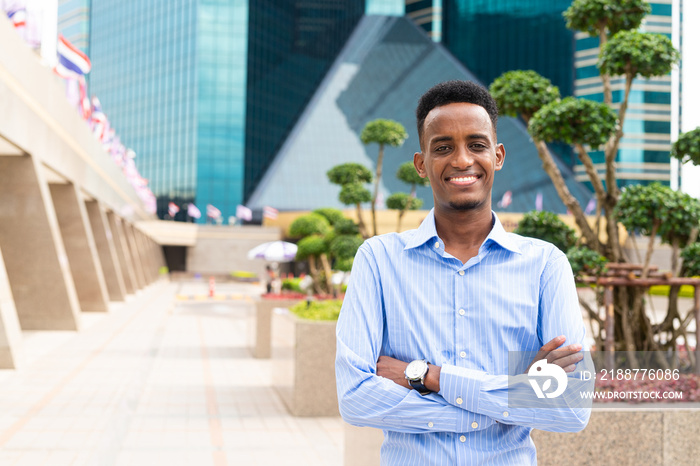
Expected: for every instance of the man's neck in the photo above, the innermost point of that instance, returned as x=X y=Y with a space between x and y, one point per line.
x=463 y=231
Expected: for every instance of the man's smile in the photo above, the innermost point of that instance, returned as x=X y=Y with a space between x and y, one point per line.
x=462 y=180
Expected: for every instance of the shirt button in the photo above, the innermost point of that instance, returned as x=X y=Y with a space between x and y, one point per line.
x=459 y=401
x=475 y=425
x=462 y=438
x=430 y=424
x=461 y=272
x=461 y=312
x=463 y=354
x=437 y=245
x=505 y=414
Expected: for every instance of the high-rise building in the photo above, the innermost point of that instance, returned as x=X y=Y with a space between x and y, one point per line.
x=652 y=115
x=206 y=91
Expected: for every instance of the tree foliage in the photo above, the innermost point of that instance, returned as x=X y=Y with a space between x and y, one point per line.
x=354 y=193
x=408 y=174
x=633 y=53
x=403 y=201
x=522 y=92
x=310 y=224
x=547 y=226
x=349 y=173
x=345 y=246
x=594 y=16
x=381 y=131
x=332 y=215
x=691 y=260
x=574 y=121
x=345 y=226
x=687 y=147
x=585 y=261
x=313 y=245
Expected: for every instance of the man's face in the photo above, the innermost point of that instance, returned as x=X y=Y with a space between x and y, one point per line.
x=459 y=156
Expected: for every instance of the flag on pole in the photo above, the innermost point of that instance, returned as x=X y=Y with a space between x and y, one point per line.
x=506 y=200
x=213 y=212
x=72 y=63
x=590 y=208
x=244 y=213
x=173 y=209
x=270 y=212
x=538 y=202
x=193 y=211
x=18 y=15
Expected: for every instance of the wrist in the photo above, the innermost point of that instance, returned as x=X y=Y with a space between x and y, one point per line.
x=432 y=378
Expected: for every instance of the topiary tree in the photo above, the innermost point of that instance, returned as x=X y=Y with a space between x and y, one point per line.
x=522 y=92
x=402 y=202
x=382 y=132
x=687 y=147
x=586 y=262
x=312 y=229
x=547 y=226
x=351 y=177
x=691 y=260
x=332 y=215
x=408 y=174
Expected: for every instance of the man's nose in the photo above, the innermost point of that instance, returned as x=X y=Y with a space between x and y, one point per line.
x=462 y=158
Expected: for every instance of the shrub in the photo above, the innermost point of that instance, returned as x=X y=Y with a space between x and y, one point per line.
x=547 y=226
x=318 y=310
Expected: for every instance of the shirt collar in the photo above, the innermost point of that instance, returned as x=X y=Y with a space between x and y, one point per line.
x=427 y=231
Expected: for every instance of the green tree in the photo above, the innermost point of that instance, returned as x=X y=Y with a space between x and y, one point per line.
x=351 y=177
x=332 y=215
x=408 y=174
x=382 y=132
x=687 y=147
x=547 y=226
x=402 y=202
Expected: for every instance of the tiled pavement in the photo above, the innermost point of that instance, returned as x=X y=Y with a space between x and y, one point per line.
x=156 y=381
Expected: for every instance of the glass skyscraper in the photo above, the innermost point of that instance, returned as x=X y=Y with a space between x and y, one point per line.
x=206 y=91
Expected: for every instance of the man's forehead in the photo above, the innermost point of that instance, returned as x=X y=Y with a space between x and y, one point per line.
x=458 y=115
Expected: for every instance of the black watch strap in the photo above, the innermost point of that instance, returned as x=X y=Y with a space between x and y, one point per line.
x=419 y=387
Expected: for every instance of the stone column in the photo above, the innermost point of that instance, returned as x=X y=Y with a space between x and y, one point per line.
x=135 y=256
x=147 y=257
x=106 y=249
x=10 y=331
x=35 y=259
x=80 y=247
x=123 y=254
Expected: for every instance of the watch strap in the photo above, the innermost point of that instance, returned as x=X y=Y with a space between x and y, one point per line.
x=419 y=386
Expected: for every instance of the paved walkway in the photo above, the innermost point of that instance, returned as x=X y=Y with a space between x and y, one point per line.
x=156 y=381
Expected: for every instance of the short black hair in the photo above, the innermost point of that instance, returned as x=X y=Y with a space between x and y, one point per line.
x=450 y=92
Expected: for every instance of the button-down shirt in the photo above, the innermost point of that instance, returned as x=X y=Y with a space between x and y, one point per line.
x=409 y=299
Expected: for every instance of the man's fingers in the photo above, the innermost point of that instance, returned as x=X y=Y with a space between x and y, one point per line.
x=567 y=360
x=553 y=344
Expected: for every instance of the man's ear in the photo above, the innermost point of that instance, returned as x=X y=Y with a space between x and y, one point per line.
x=500 y=156
x=419 y=163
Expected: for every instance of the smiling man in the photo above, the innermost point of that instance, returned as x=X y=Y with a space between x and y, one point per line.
x=431 y=315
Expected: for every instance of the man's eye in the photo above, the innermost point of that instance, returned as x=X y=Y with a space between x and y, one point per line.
x=441 y=148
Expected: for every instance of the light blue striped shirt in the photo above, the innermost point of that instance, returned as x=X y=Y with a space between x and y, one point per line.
x=409 y=299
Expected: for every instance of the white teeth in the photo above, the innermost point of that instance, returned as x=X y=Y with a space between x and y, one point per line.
x=463 y=178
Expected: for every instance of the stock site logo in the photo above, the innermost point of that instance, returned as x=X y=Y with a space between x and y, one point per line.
x=545 y=371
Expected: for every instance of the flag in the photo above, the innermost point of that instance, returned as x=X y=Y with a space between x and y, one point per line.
x=193 y=211
x=72 y=63
x=590 y=208
x=270 y=212
x=244 y=213
x=538 y=202
x=18 y=15
x=173 y=209
x=98 y=119
x=506 y=199
x=213 y=212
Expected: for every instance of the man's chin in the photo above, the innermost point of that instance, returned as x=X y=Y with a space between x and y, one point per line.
x=466 y=205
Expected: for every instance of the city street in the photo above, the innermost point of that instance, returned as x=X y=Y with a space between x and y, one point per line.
x=162 y=379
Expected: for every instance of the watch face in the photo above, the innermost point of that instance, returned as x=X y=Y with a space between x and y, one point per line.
x=416 y=369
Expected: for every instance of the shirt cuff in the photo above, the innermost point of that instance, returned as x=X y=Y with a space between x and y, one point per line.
x=461 y=387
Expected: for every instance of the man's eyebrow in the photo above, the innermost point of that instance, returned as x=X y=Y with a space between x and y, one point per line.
x=478 y=136
x=441 y=139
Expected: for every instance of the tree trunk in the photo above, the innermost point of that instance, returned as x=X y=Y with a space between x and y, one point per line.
x=565 y=195
x=360 y=223
x=398 y=222
x=327 y=271
x=607 y=91
x=314 y=274
x=592 y=173
x=614 y=143
x=378 y=178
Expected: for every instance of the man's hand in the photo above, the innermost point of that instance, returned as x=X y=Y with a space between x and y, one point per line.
x=392 y=369
x=565 y=357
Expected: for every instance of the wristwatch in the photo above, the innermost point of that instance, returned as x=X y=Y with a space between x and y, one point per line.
x=415 y=374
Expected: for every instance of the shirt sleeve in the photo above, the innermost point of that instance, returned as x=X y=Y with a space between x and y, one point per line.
x=366 y=399
x=511 y=399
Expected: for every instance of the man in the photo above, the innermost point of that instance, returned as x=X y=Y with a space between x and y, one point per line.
x=458 y=293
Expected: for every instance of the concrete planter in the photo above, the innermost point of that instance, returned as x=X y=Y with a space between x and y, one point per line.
x=619 y=435
x=303 y=365
x=260 y=325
